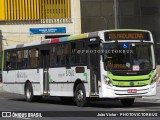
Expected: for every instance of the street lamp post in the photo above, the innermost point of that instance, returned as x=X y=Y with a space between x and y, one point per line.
x=116 y=13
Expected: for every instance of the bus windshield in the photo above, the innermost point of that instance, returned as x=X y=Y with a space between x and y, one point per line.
x=128 y=56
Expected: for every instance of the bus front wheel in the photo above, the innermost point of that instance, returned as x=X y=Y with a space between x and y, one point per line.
x=80 y=96
x=127 y=102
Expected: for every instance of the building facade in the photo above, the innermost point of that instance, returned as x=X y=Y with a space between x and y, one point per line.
x=23 y=21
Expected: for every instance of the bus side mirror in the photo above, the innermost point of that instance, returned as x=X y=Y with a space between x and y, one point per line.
x=103 y=58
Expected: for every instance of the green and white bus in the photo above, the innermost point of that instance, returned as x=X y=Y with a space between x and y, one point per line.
x=110 y=64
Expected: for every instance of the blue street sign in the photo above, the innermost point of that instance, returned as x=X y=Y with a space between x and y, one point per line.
x=47 y=30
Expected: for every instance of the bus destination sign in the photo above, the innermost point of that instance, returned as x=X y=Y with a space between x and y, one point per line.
x=126 y=35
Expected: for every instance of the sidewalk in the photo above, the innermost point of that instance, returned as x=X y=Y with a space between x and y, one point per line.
x=1 y=85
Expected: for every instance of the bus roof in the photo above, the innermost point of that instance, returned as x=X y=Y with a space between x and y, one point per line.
x=70 y=38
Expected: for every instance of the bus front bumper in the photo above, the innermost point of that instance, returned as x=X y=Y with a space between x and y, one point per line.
x=121 y=92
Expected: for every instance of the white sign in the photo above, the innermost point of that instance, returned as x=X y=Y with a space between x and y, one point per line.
x=135 y=67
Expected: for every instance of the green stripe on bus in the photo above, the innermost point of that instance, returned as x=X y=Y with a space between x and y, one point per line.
x=135 y=83
x=139 y=80
x=86 y=75
x=139 y=77
x=81 y=36
x=50 y=79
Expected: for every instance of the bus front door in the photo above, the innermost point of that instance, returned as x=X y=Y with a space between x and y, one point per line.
x=94 y=68
x=45 y=65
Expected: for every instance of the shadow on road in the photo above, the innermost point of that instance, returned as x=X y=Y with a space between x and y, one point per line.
x=95 y=104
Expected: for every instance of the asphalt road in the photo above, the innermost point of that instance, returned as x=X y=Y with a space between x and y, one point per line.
x=14 y=102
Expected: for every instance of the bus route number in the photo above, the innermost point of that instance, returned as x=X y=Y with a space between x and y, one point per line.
x=69 y=72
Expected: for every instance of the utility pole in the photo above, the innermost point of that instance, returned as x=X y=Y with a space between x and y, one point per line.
x=116 y=13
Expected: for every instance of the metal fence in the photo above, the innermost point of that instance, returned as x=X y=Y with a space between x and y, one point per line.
x=46 y=11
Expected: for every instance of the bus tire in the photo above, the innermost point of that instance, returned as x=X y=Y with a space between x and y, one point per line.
x=80 y=96
x=127 y=102
x=29 y=93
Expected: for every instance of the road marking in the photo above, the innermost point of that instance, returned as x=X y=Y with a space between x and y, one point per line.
x=129 y=109
x=150 y=108
x=24 y=118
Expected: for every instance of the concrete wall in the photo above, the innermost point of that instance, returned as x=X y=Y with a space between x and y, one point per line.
x=142 y=14
x=138 y=14
x=17 y=34
x=97 y=15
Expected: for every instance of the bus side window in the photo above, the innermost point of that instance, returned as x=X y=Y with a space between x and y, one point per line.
x=77 y=56
x=73 y=53
x=58 y=55
x=62 y=56
x=8 y=65
x=66 y=54
x=52 y=56
x=8 y=62
x=12 y=60
x=81 y=56
x=20 y=59
x=33 y=58
x=26 y=59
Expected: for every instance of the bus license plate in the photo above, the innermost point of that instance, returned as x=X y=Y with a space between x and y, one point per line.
x=132 y=91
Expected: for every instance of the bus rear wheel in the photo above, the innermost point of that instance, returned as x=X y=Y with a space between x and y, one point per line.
x=80 y=96
x=127 y=102
x=29 y=94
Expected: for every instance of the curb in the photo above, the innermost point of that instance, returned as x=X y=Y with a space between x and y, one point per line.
x=148 y=99
x=1 y=84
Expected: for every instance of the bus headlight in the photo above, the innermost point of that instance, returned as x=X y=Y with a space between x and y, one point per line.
x=108 y=81
x=154 y=78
